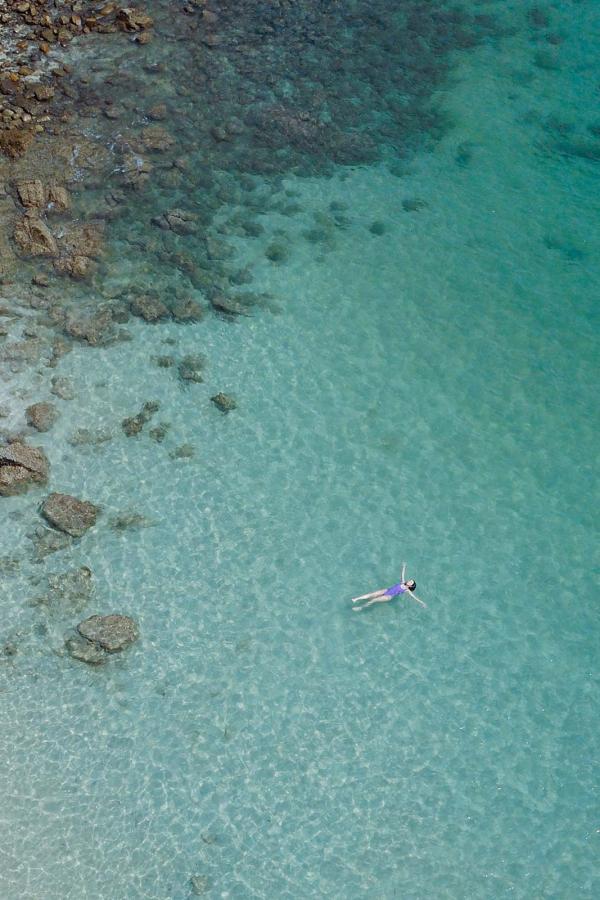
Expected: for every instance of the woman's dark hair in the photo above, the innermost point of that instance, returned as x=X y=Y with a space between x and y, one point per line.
x=414 y=584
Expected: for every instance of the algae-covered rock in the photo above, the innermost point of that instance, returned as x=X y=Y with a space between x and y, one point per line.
x=224 y=402
x=191 y=368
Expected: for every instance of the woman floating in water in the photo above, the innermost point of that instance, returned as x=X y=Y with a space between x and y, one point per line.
x=387 y=594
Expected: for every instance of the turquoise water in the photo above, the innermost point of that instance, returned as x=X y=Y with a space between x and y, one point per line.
x=421 y=391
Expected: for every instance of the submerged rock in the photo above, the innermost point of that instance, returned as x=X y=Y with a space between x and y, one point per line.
x=68 y=592
x=160 y=432
x=185 y=451
x=69 y=514
x=149 y=308
x=112 y=633
x=186 y=310
x=41 y=416
x=20 y=467
x=129 y=519
x=191 y=368
x=200 y=884
x=82 y=437
x=46 y=541
x=134 y=424
x=80 y=648
x=224 y=402
x=177 y=220
x=63 y=388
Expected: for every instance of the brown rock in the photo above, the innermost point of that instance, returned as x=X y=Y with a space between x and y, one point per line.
x=157 y=138
x=132 y=19
x=75 y=266
x=20 y=467
x=149 y=308
x=83 y=240
x=158 y=112
x=69 y=514
x=43 y=92
x=15 y=141
x=58 y=198
x=112 y=633
x=34 y=237
x=31 y=193
x=41 y=415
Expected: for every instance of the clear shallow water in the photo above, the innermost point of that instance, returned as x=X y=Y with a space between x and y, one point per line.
x=426 y=394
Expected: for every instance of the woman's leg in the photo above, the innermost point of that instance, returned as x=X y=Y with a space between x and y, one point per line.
x=379 y=599
x=369 y=596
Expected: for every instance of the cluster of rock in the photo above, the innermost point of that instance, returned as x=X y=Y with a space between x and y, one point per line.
x=25 y=86
x=73 y=247
x=132 y=425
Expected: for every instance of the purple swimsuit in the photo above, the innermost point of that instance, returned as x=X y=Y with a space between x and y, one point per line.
x=396 y=589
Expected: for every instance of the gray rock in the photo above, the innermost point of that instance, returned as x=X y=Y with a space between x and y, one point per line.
x=20 y=467
x=185 y=451
x=68 y=592
x=41 y=416
x=113 y=633
x=200 y=884
x=63 y=388
x=84 y=436
x=129 y=519
x=46 y=541
x=69 y=514
x=80 y=648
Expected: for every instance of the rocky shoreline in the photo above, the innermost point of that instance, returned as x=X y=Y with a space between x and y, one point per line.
x=157 y=138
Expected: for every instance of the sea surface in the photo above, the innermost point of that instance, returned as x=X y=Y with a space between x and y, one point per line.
x=419 y=386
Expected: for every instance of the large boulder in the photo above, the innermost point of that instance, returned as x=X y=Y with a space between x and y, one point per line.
x=112 y=633
x=20 y=467
x=69 y=514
